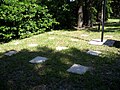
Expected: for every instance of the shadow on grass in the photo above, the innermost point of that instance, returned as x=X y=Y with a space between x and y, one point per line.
x=111 y=27
x=112 y=30
x=93 y=30
x=18 y=74
x=113 y=24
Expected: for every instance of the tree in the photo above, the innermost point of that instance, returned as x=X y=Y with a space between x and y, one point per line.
x=80 y=13
x=115 y=5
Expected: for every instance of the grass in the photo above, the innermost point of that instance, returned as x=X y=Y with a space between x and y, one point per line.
x=18 y=74
x=113 y=20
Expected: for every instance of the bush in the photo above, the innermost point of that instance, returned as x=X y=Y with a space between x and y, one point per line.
x=23 y=19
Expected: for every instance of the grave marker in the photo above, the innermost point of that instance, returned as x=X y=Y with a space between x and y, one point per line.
x=59 y=48
x=97 y=42
x=10 y=53
x=74 y=40
x=95 y=53
x=84 y=35
x=78 y=69
x=33 y=45
x=38 y=59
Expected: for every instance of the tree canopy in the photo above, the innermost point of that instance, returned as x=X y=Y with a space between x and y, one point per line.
x=22 y=18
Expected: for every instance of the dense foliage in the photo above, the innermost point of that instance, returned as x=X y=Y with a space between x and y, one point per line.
x=23 y=19
x=73 y=12
x=62 y=10
x=115 y=9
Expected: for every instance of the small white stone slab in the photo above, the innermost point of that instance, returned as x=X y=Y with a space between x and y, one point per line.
x=32 y=45
x=38 y=59
x=59 y=48
x=50 y=32
x=16 y=43
x=51 y=38
x=84 y=35
x=78 y=69
x=95 y=53
x=74 y=40
x=10 y=53
x=97 y=42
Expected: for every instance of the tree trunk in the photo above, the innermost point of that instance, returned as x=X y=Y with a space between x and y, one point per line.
x=80 y=17
x=87 y=14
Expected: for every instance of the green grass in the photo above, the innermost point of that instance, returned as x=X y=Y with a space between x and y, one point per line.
x=113 y=20
x=18 y=74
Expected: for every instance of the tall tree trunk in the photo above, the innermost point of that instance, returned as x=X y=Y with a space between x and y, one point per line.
x=80 y=17
x=87 y=14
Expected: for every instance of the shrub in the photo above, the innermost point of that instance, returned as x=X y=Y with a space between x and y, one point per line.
x=23 y=19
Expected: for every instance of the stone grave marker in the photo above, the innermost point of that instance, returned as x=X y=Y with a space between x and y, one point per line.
x=97 y=42
x=50 y=33
x=74 y=40
x=16 y=43
x=78 y=69
x=109 y=42
x=95 y=53
x=32 y=45
x=84 y=35
x=10 y=53
x=59 y=48
x=38 y=59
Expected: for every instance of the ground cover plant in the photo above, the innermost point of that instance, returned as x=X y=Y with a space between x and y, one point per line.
x=18 y=74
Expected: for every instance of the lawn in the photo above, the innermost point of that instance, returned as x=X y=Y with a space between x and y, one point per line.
x=17 y=73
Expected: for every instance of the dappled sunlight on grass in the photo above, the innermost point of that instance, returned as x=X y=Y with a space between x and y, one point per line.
x=17 y=73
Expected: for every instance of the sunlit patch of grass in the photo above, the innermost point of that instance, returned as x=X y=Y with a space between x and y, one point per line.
x=113 y=20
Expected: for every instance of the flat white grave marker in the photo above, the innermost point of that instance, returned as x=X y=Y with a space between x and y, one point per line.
x=16 y=43
x=95 y=53
x=78 y=69
x=32 y=45
x=84 y=35
x=59 y=48
x=50 y=32
x=97 y=42
x=74 y=40
x=38 y=59
x=64 y=33
x=10 y=53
